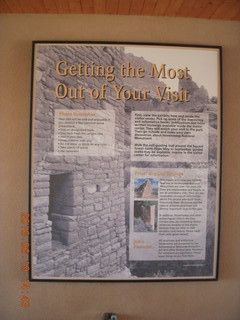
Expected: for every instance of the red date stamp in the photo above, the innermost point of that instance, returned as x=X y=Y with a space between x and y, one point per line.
x=25 y=267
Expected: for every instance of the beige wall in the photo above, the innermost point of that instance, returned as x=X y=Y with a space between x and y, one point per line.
x=149 y=301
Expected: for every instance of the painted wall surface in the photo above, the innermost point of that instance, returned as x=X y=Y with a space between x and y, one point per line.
x=133 y=301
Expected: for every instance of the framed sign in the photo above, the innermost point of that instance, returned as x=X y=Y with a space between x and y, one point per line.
x=125 y=161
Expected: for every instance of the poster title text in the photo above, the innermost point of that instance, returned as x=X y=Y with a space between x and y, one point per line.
x=120 y=92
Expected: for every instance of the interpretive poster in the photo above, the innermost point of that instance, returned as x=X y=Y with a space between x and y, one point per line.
x=125 y=162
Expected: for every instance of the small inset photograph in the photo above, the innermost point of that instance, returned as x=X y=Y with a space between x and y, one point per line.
x=146 y=188
x=145 y=216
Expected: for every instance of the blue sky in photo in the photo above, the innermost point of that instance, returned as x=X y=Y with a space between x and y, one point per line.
x=139 y=181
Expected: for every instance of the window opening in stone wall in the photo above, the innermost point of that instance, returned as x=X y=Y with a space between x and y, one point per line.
x=60 y=204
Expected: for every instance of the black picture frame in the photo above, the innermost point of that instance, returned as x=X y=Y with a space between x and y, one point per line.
x=90 y=218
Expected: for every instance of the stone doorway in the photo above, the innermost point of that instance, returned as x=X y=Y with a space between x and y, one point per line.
x=59 y=202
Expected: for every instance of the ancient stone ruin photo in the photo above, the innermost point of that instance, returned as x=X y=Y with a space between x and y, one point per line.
x=145 y=216
x=91 y=104
x=146 y=188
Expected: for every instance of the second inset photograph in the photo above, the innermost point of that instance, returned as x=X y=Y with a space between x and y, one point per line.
x=145 y=216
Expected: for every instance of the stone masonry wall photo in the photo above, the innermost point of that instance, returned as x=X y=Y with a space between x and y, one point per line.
x=81 y=202
x=78 y=201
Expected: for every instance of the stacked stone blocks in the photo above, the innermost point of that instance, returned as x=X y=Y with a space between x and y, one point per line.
x=78 y=202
